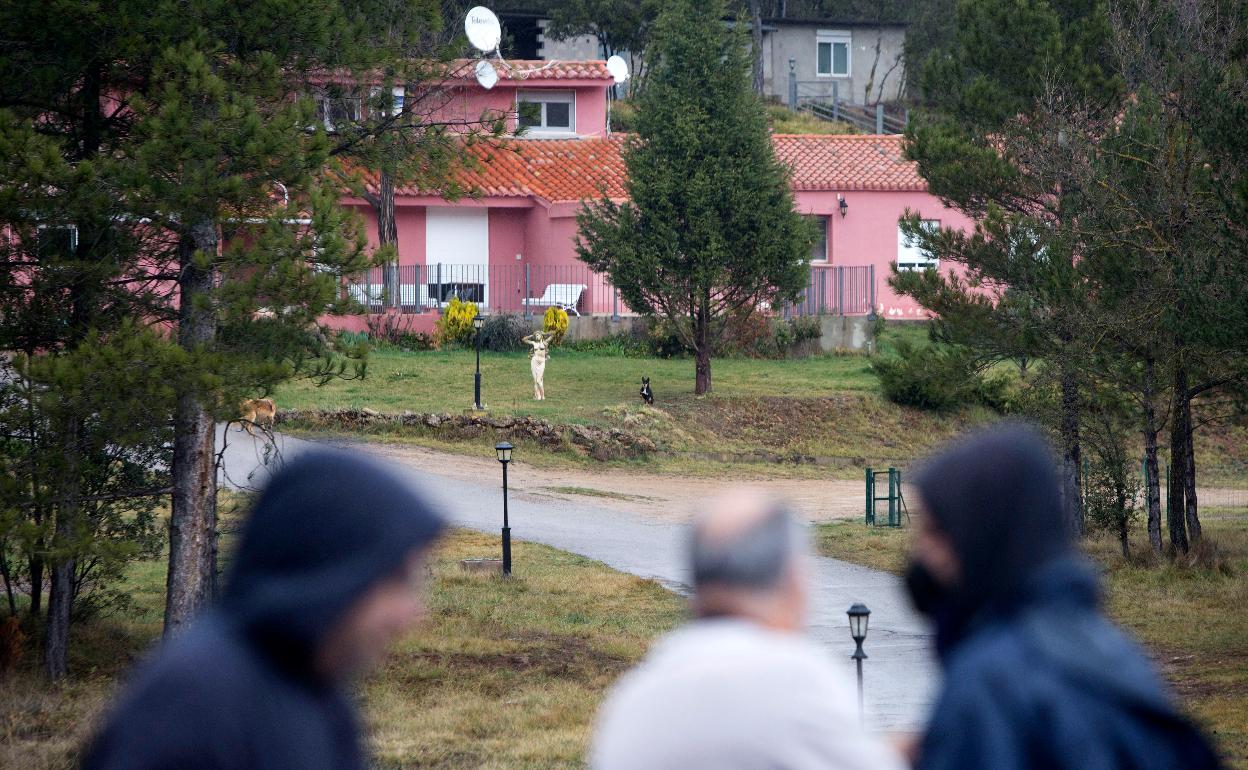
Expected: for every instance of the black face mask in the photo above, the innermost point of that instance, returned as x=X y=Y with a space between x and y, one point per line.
x=927 y=593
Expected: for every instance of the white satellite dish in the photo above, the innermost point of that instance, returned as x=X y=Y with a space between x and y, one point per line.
x=618 y=68
x=483 y=29
x=487 y=76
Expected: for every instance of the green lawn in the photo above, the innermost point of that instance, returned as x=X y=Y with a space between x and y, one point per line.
x=1191 y=616
x=815 y=416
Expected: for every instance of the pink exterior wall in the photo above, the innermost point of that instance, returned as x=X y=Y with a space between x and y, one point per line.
x=468 y=103
x=867 y=235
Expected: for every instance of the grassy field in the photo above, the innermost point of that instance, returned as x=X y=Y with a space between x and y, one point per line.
x=506 y=674
x=1191 y=617
x=815 y=416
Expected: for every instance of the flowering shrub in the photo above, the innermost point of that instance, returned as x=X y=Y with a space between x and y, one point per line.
x=455 y=325
x=555 y=324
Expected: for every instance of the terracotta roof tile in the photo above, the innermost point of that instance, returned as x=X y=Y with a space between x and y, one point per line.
x=527 y=70
x=847 y=162
x=568 y=170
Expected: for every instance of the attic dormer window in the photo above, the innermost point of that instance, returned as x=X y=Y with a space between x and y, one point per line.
x=542 y=112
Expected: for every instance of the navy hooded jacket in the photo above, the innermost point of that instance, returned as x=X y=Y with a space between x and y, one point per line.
x=1035 y=675
x=238 y=689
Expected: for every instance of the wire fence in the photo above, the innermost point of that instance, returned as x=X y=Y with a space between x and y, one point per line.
x=531 y=289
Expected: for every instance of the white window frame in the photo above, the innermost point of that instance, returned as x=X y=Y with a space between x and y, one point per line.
x=826 y=222
x=73 y=234
x=909 y=256
x=832 y=38
x=325 y=105
x=543 y=98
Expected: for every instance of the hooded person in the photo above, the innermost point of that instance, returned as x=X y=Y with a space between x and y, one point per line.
x=1035 y=675
x=325 y=576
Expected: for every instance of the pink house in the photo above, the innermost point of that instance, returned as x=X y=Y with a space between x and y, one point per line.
x=511 y=247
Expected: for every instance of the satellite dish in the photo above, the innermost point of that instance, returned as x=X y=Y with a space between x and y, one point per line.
x=487 y=76
x=618 y=68
x=483 y=29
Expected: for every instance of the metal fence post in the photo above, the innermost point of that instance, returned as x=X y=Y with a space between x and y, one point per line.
x=879 y=118
x=823 y=291
x=840 y=291
x=528 y=293
x=836 y=101
x=792 y=84
x=439 y=297
x=870 y=497
x=871 y=287
x=615 y=303
x=892 y=497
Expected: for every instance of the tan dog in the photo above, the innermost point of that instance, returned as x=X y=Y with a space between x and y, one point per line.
x=257 y=411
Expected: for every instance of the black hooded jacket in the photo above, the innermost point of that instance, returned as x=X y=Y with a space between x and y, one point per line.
x=238 y=689
x=1035 y=676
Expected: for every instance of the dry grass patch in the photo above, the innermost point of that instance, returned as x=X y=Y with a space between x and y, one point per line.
x=509 y=673
x=504 y=674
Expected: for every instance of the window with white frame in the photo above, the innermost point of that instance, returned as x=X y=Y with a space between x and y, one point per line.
x=819 y=249
x=57 y=241
x=338 y=107
x=909 y=255
x=832 y=49
x=547 y=111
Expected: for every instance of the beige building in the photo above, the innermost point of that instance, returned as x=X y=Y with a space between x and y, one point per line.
x=863 y=62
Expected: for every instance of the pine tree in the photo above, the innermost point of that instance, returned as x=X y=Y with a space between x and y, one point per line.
x=709 y=232
x=976 y=143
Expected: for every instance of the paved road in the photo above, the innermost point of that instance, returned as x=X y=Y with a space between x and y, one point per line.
x=900 y=674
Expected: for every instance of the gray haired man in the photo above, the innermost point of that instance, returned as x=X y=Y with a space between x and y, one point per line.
x=741 y=686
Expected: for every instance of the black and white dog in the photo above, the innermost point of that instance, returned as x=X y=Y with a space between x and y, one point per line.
x=647 y=395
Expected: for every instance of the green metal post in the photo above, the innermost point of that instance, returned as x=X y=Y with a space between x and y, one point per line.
x=892 y=497
x=870 y=497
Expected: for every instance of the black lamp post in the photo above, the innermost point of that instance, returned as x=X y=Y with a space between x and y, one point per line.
x=504 y=457
x=859 y=619
x=478 y=321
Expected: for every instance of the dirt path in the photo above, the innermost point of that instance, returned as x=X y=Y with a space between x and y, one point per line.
x=633 y=491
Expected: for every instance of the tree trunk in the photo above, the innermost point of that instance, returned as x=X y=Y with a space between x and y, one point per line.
x=36 y=579
x=1072 y=459
x=1189 y=473
x=1152 y=491
x=756 y=17
x=1176 y=486
x=193 y=517
x=61 y=590
x=702 y=353
x=8 y=579
x=387 y=233
x=1124 y=539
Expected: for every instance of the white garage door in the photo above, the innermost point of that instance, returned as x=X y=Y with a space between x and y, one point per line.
x=457 y=251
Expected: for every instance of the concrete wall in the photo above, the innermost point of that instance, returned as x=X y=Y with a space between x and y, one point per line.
x=842 y=333
x=569 y=49
x=798 y=40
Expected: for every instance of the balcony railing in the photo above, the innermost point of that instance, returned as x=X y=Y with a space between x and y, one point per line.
x=531 y=289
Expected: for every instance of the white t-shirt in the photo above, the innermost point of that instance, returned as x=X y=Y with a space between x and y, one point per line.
x=726 y=694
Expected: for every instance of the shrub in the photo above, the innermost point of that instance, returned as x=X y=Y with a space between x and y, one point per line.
x=388 y=329
x=622 y=344
x=416 y=341
x=623 y=116
x=935 y=377
x=760 y=336
x=663 y=341
x=555 y=324
x=455 y=325
x=503 y=332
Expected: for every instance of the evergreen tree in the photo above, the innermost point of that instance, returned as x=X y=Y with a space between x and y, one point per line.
x=977 y=142
x=164 y=189
x=709 y=232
